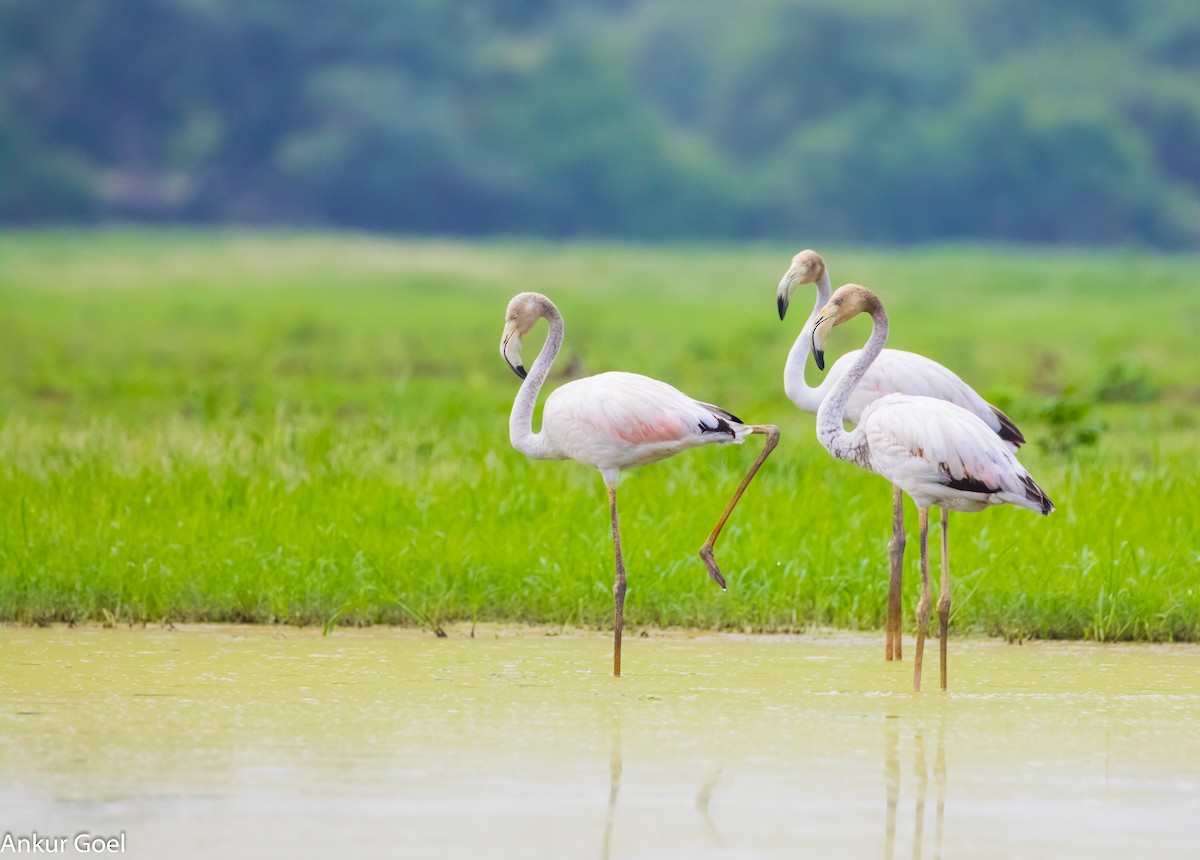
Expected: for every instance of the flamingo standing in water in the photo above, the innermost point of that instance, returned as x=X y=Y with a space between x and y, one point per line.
x=613 y=421
x=893 y=372
x=936 y=451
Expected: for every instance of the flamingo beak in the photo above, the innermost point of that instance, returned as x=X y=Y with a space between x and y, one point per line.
x=818 y=350
x=510 y=350
x=784 y=294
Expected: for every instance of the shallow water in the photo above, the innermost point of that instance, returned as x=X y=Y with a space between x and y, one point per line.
x=264 y=742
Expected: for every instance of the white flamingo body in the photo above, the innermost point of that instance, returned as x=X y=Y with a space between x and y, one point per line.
x=942 y=455
x=615 y=421
x=612 y=422
x=939 y=453
x=899 y=372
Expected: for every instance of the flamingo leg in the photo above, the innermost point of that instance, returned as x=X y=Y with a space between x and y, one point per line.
x=706 y=551
x=619 y=584
x=923 y=603
x=943 y=606
x=895 y=622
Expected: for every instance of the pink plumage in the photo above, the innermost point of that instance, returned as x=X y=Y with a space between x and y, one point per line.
x=623 y=420
x=613 y=421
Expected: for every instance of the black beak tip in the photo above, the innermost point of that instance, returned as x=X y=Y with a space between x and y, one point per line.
x=819 y=358
x=519 y=370
x=783 y=305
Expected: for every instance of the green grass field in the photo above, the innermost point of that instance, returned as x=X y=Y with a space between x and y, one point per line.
x=313 y=429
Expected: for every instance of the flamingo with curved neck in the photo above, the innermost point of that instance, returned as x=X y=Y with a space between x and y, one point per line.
x=937 y=452
x=520 y=420
x=614 y=421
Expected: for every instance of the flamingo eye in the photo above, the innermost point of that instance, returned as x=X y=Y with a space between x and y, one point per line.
x=837 y=301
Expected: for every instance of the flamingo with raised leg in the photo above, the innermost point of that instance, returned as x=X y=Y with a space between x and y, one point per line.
x=613 y=422
x=938 y=452
x=893 y=372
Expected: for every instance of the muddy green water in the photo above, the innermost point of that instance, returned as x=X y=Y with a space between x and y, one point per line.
x=276 y=742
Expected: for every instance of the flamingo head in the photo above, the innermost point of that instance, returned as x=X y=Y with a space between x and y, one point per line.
x=846 y=303
x=523 y=312
x=807 y=268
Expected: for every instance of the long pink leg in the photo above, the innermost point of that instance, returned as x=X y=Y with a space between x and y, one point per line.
x=619 y=584
x=895 y=622
x=943 y=606
x=924 y=603
x=706 y=551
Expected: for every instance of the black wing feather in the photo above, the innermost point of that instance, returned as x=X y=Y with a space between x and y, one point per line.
x=1008 y=430
x=722 y=418
x=966 y=483
x=1035 y=494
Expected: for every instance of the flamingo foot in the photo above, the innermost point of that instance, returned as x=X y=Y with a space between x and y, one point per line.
x=706 y=555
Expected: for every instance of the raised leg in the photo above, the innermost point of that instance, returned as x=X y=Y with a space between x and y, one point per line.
x=895 y=623
x=619 y=584
x=944 y=596
x=924 y=603
x=706 y=551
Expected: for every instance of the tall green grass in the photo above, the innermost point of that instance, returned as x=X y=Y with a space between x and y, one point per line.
x=313 y=429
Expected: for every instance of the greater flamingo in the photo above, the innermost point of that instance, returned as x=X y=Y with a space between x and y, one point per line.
x=613 y=421
x=936 y=451
x=894 y=372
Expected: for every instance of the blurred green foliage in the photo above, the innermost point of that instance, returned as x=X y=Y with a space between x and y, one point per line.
x=1069 y=424
x=1072 y=122
x=1127 y=383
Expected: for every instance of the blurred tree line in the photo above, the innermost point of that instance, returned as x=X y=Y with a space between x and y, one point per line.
x=1066 y=121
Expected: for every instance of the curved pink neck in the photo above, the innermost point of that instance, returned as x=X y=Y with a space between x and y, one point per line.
x=520 y=420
